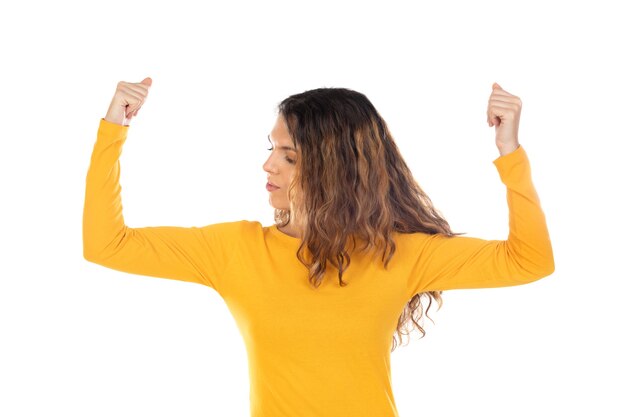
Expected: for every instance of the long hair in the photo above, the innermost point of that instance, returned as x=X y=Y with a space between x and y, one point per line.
x=351 y=183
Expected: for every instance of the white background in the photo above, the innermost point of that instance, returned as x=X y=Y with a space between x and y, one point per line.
x=77 y=339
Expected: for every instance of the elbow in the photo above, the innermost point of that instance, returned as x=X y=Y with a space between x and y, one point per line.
x=533 y=264
x=89 y=257
x=549 y=267
x=89 y=254
x=540 y=270
x=548 y=263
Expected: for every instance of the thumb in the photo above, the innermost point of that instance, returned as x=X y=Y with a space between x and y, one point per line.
x=147 y=81
x=496 y=85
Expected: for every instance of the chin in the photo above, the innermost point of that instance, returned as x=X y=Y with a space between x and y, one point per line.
x=278 y=206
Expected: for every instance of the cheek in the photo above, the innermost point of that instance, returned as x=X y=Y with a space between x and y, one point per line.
x=291 y=173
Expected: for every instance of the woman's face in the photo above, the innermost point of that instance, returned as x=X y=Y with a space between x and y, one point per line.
x=281 y=164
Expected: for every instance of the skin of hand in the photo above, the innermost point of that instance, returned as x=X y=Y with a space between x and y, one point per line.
x=127 y=100
x=503 y=112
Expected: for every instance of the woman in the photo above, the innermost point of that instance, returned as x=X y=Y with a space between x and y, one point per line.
x=356 y=249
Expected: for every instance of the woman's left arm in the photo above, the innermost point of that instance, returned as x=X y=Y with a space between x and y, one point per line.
x=503 y=112
x=446 y=263
x=465 y=262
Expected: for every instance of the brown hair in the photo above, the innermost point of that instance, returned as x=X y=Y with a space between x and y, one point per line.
x=352 y=182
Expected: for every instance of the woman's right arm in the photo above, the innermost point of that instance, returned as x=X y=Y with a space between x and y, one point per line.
x=194 y=254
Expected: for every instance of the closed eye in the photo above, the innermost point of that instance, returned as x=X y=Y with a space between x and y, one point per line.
x=291 y=161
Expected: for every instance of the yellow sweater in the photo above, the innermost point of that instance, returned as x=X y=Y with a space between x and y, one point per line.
x=312 y=352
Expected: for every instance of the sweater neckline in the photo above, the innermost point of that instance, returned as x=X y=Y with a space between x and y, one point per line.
x=284 y=236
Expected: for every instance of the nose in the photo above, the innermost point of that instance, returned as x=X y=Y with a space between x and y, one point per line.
x=269 y=166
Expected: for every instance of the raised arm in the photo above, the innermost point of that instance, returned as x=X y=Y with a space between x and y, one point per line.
x=194 y=254
x=446 y=263
x=465 y=262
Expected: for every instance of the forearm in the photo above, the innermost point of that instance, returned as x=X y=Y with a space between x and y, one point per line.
x=528 y=241
x=103 y=221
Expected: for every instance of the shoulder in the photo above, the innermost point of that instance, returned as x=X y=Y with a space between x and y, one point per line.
x=238 y=227
x=233 y=233
x=411 y=244
x=412 y=238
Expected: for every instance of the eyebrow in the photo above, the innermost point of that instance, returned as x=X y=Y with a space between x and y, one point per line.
x=287 y=148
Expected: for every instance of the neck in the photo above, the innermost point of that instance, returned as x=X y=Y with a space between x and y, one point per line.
x=294 y=228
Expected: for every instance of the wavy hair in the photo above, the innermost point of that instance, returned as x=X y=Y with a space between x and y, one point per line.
x=351 y=183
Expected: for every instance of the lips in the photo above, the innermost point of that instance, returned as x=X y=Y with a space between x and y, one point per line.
x=273 y=185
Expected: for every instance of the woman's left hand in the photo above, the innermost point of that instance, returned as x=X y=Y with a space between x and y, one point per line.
x=503 y=112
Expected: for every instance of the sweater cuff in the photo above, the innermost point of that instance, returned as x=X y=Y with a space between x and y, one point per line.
x=513 y=166
x=110 y=132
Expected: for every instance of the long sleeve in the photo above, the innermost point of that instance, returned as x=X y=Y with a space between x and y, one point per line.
x=465 y=262
x=193 y=254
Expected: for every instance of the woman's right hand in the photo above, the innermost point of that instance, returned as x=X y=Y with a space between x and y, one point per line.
x=127 y=100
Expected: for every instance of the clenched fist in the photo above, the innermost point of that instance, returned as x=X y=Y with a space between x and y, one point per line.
x=127 y=100
x=503 y=112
